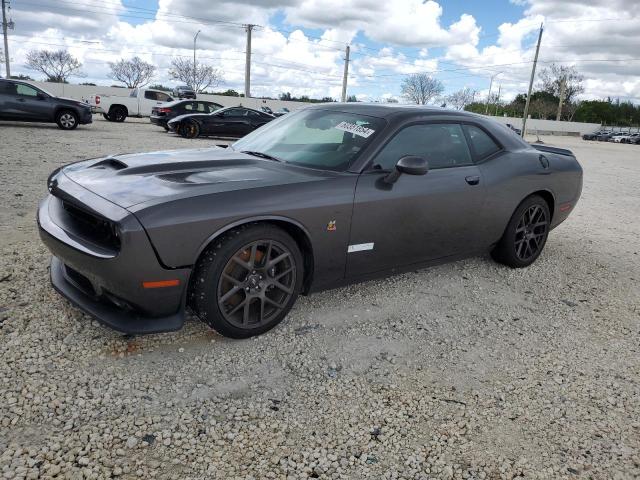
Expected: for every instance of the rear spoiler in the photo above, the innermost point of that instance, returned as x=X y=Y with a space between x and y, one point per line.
x=545 y=148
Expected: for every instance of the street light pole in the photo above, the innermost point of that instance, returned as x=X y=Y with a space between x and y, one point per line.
x=486 y=110
x=194 y=59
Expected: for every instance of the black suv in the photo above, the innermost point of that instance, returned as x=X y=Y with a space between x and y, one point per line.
x=184 y=92
x=23 y=102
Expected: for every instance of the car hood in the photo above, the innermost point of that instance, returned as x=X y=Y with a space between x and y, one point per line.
x=71 y=101
x=130 y=180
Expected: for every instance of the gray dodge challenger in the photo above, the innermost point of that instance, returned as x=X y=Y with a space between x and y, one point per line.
x=329 y=195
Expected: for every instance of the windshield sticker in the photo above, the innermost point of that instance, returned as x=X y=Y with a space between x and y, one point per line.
x=355 y=129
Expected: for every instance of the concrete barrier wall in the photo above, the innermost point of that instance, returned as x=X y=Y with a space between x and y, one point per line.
x=551 y=127
x=80 y=92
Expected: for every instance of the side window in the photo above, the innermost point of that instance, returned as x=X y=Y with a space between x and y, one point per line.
x=8 y=88
x=442 y=144
x=252 y=114
x=234 y=112
x=149 y=95
x=202 y=107
x=162 y=97
x=188 y=106
x=482 y=143
x=213 y=107
x=26 y=91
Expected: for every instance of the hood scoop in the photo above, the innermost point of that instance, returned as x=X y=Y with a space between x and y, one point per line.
x=109 y=164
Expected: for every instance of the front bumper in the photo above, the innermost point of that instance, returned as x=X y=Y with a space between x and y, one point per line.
x=108 y=284
x=161 y=122
x=85 y=116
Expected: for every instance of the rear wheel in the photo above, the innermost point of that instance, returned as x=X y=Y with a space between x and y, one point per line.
x=190 y=129
x=525 y=235
x=106 y=117
x=67 y=119
x=118 y=114
x=247 y=281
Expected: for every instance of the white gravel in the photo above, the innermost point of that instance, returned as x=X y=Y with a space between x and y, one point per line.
x=468 y=370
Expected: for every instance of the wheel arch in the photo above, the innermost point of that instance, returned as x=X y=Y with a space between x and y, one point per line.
x=294 y=228
x=64 y=108
x=119 y=105
x=548 y=197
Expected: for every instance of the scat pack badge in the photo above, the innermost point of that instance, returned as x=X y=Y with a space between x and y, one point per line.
x=331 y=226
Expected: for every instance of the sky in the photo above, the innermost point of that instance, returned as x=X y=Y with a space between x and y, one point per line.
x=299 y=45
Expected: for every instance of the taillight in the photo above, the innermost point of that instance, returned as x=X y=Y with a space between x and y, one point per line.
x=97 y=99
x=164 y=110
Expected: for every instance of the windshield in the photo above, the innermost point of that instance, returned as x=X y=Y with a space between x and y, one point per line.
x=324 y=139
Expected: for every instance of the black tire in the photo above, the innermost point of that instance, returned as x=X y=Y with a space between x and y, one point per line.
x=166 y=129
x=190 y=129
x=236 y=291
x=118 y=114
x=106 y=117
x=526 y=234
x=67 y=119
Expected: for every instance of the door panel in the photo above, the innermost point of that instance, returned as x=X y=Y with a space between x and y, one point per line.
x=28 y=106
x=419 y=218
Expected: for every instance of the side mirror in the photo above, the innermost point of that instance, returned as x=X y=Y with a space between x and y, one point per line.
x=41 y=96
x=410 y=165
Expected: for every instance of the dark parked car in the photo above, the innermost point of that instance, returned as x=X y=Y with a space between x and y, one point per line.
x=162 y=114
x=593 y=135
x=184 y=92
x=226 y=122
x=326 y=196
x=22 y=102
x=604 y=136
x=282 y=111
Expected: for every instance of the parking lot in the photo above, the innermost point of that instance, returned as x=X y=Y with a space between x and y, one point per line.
x=467 y=370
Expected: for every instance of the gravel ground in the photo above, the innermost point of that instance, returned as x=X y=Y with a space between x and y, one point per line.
x=468 y=370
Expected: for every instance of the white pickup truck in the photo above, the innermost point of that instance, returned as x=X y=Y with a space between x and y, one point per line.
x=138 y=104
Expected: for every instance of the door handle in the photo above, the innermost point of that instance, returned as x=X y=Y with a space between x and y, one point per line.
x=21 y=100
x=473 y=180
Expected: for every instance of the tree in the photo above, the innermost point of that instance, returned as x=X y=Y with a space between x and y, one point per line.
x=198 y=78
x=352 y=98
x=461 y=98
x=57 y=65
x=420 y=88
x=133 y=73
x=229 y=92
x=552 y=77
x=286 y=96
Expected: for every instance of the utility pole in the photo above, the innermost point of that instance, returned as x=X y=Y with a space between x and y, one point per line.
x=533 y=74
x=563 y=89
x=486 y=109
x=5 y=28
x=194 y=59
x=346 y=73
x=498 y=99
x=247 y=66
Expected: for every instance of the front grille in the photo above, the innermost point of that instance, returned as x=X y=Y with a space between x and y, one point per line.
x=94 y=228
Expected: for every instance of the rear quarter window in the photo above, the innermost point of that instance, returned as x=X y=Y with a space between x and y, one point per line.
x=483 y=145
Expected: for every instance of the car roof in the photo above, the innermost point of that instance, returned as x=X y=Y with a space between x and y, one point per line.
x=393 y=110
x=244 y=108
x=187 y=100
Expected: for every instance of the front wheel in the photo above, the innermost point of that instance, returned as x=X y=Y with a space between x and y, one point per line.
x=247 y=281
x=190 y=129
x=526 y=234
x=67 y=120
